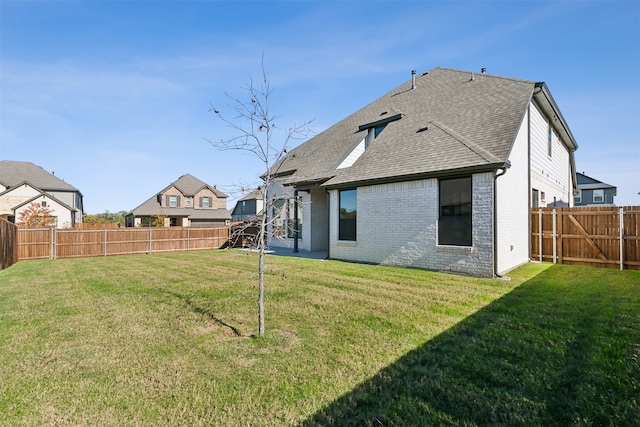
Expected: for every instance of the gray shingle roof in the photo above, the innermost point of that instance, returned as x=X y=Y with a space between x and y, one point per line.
x=13 y=173
x=449 y=122
x=587 y=183
x=190 y=185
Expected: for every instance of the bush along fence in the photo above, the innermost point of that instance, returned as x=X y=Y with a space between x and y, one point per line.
x=36 y=243
x=598 y=236
x=8 y=244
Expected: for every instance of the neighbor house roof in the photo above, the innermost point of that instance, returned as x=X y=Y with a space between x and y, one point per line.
x=13 y=173
x=449 y=122
x=189 y=185
x=587 y=183
x=254 y=195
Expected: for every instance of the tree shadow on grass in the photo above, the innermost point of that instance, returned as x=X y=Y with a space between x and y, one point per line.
x=555 y=351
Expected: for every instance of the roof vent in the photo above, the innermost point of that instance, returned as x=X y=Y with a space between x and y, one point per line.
x=413 y=79
x=483 y=70
x=473 y=76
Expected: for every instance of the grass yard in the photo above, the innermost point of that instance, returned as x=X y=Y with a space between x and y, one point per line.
x=168 y=340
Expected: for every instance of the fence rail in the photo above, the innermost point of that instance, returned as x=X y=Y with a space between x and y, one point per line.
x=605 y=237
x=8 y=244
x=36 y=243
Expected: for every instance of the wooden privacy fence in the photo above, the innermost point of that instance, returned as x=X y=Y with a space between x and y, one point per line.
x=69 y=243
x=599 y=236
x=8 y=244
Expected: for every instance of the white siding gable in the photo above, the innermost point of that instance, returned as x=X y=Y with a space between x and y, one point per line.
x=550 y=174
x=15 y=197
x=353 y=156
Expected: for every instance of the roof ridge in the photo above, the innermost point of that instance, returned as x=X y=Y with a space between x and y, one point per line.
x=480 y=73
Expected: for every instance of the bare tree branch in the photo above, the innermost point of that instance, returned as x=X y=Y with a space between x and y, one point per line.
x=254 y=126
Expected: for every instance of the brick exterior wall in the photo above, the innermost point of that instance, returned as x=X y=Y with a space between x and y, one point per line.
x=397 y=225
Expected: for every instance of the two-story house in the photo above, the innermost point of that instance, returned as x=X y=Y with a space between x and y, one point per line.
x=440 y=173
x=187 y=202
x=24 y=183
x=592 y=192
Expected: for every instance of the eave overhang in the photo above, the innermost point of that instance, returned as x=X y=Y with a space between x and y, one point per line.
x=447 y=173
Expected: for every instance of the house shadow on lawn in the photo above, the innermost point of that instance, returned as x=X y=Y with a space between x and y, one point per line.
x=554 y=351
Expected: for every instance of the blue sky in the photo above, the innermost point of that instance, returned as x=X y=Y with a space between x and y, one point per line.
x=113 y=96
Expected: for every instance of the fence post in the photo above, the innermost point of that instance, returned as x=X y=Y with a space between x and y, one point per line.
x=105 y=241
x=150 y=239
x=188 y=236
x=53 y=243
x=555 y=219
x=621 y=239
x=540 y=232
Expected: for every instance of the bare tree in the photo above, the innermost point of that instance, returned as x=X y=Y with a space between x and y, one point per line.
x=256 y=134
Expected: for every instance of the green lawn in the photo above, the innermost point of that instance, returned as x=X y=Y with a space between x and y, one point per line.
x=168 y=339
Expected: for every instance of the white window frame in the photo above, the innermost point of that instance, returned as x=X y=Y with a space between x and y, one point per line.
x=598 y=196
x=577 y=198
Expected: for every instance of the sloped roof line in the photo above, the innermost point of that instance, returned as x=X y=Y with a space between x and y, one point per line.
x=13 y=172
x=470 y=145
x=200 y=185
x=13 y=187
x=46 y=195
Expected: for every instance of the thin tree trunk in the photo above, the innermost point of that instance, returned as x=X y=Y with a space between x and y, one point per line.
x=261 y=252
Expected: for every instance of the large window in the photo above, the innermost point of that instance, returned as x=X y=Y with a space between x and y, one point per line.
x=348 y=215
x=454 y=226
x=283 y=222
x=292 y=219
x=278 y=224
x=173 y=201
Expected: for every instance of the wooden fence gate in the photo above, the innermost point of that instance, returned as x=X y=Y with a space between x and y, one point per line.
x=599 y=236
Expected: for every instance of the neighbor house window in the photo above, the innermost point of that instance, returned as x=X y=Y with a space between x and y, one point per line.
x=173 y=201
x=534 y=198
x=577 y=198
x=188 y=200
x=44 y=204
x=454 y=225
x=205 y=202
x=348 y=215
x=598 y=196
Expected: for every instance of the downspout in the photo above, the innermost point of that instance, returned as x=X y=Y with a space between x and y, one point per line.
x=529 y=179
x=503 y=170
x=295 y=221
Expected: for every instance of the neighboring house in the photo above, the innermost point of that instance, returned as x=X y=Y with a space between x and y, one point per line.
x=249 y=207
x=440 y=173
x=592 y=192
x=24 y=183
x=187 y=202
